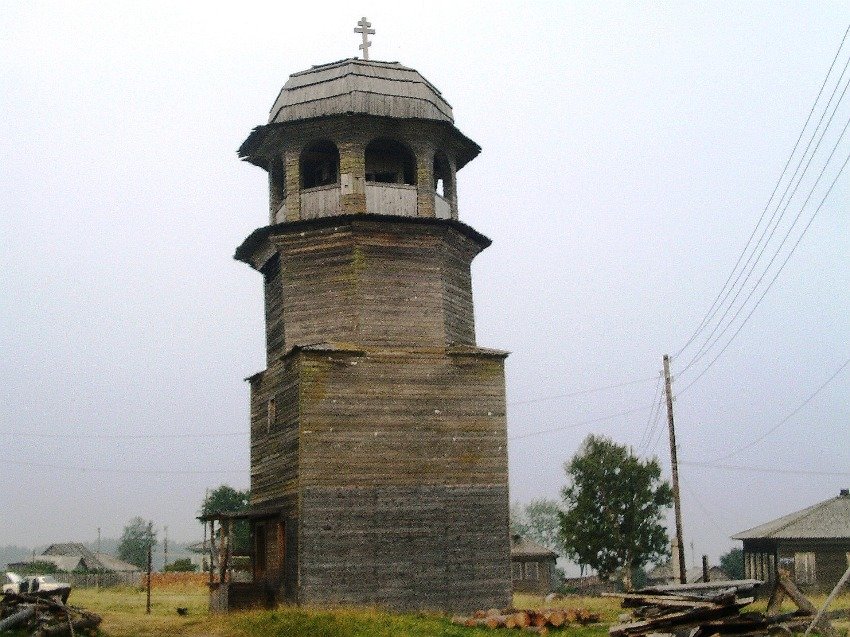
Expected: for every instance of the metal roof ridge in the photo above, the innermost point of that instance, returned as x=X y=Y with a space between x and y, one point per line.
x=802 y=514
x=795 y=516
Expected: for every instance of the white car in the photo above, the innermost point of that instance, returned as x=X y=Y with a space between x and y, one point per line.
x=39 y=585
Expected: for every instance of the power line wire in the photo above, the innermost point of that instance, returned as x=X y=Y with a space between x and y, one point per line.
x=709 y=343
x=711 y=517
x=577 y=424
x=773 y=280
x=88 y=469
x=655 y=426
x=790 y=415
x=152 y=436
x=646 y=436
x=654 y=415
x=65 y=436
x=769 y=470
x=581 y=392
x=711 y=312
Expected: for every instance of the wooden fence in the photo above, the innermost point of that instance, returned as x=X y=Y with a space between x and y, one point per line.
x=89 y=580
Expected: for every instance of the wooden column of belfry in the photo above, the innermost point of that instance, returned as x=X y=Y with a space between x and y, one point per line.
x=378 y=432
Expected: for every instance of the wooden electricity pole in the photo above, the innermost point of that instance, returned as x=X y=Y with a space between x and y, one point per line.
x=677 y=505
x=97 y=576
x=150 y=566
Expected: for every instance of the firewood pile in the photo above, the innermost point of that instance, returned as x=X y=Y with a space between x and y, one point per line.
x=537 y=621
x=43 y=617
x=702 y=610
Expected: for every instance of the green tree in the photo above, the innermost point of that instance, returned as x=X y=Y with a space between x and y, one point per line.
x=732 y=563
x=138 y=535
x=226 y=499
x=614 y=506
x=183 y=565
x=539 y=521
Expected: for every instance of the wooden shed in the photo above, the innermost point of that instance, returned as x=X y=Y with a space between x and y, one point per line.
x=813 y=545
x=532 y=566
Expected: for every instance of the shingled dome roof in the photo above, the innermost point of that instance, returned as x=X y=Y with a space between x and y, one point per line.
x=359 y=86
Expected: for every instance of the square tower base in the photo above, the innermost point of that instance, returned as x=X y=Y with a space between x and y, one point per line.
x=384 y=477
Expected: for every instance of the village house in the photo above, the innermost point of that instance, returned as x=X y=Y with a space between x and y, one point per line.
x=813 y=545
x=74 y=558
x=532 y=566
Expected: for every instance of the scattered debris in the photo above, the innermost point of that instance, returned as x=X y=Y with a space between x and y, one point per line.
x=712 y=609
x=535 y=621
x=44 y=617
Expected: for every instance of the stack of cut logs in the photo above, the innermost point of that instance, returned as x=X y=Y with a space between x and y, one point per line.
x=534 y=621
x=43 y=617
x=701 y=611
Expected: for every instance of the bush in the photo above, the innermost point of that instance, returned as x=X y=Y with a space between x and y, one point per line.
x=38 y=568
x=183 y=565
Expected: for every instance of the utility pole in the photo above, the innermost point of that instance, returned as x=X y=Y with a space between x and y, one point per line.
x=97 y=577
x=677 y=505
x=150 y=567
x=165 y=547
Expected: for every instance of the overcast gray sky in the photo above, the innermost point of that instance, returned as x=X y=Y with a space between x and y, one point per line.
x=628 y=152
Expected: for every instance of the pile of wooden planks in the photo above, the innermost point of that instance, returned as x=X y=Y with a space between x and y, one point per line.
x=44 y=617
x=707 y=611
x=537 y=621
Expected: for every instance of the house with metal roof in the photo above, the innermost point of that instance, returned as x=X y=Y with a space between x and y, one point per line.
x=813 y=545
x=75 y=557
x=532 y=566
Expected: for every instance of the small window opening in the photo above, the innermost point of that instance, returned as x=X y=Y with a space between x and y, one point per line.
x=319 y=165
x=442 y=175
x=389 y=162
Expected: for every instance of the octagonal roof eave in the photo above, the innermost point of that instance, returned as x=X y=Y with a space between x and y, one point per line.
x=255 y=242
x=261 y=142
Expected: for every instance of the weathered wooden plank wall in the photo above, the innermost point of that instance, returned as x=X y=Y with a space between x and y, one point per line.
x=274 y=446
x=386 y=447
x=273 y=294
x=403 y=473
x=373 y=283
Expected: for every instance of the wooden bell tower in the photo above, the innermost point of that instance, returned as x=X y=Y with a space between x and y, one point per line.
x=379 y=469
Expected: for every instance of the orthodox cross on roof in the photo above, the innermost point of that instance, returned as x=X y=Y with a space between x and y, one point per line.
x=364 y=25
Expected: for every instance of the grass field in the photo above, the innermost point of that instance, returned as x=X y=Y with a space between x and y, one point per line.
x=123 y=612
